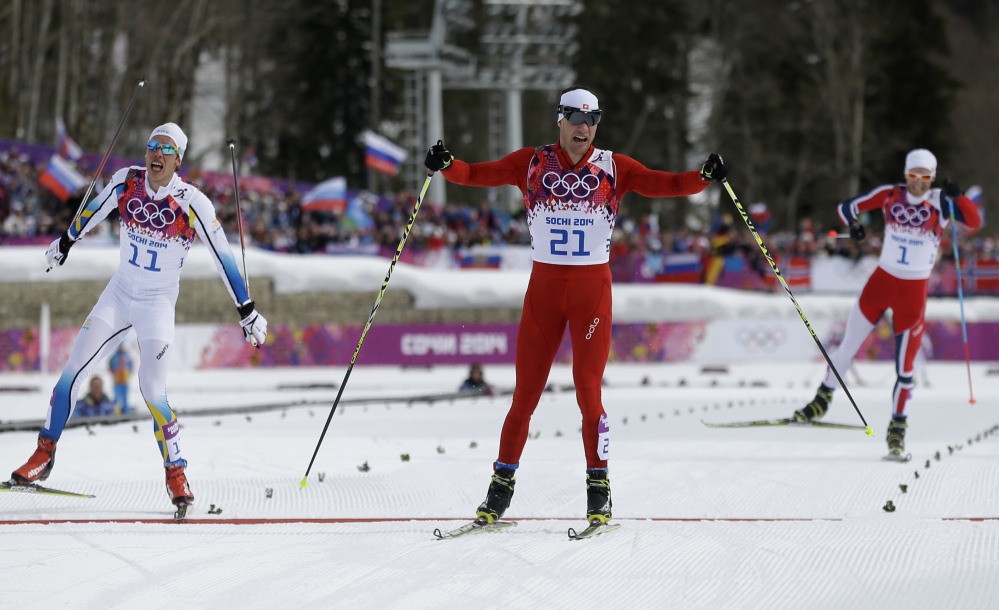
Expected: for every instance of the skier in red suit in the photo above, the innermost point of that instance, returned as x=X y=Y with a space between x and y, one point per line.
x=915 y=216
x=572 y=192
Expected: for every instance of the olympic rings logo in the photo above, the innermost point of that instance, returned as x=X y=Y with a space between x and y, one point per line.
x=149 y=212
x=761 y=338
x=907 y=214
x=561 y=185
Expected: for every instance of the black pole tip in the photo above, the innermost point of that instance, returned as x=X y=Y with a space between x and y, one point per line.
x=231 y=142
x=142 y=81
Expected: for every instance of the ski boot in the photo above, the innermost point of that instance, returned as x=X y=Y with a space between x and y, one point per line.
x=498 y=496
x=598 y=496
x=39 y=465
x=817 y=408
x=896 y=439
x=177 y=487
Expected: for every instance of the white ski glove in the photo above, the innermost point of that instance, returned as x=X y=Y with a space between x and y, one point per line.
x=254 y=325
x=58 y=252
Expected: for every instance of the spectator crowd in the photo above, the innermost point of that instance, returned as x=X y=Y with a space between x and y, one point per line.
x=724 y=253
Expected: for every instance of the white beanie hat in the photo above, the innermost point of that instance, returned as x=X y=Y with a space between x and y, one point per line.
x=175 y=133
x=578 y=98
x=923 y=158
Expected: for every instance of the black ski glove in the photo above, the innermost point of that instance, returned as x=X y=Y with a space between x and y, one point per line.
x=857 y=231
x=438 y=157
x=714 y=169
x=952 y=190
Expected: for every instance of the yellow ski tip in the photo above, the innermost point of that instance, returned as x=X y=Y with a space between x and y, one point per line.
x=868 y=432
x=305 y=484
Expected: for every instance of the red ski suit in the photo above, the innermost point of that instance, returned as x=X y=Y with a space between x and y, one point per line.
x=571 y=279
x=913 y=228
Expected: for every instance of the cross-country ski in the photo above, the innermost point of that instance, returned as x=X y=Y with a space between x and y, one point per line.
x=32 y=488
x=789 y=422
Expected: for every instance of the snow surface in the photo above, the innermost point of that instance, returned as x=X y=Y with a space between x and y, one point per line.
x=712 y=518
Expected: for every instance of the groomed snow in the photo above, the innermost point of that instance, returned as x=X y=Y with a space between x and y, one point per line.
x=749 y=518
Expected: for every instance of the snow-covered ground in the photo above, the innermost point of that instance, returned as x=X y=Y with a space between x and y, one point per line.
x=712 y=518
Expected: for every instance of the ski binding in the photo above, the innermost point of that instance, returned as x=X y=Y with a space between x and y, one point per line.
x=594 y=529
x=475 y=527
x=897 y=456
x=182 y=509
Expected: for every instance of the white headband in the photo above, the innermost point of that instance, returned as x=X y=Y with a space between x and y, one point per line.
x=921 y=158
x=175 y=133
x=578 y=98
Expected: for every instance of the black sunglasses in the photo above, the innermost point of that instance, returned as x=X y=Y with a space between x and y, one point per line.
x=578 y=117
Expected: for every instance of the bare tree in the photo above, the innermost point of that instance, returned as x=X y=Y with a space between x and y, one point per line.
x=37 y=74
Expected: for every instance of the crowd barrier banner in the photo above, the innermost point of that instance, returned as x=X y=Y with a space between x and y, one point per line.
x=722 y=341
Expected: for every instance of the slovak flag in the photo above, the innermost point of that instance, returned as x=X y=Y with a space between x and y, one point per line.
x=60 y=178
x=381 y=154
x=328 y=195
x=68 y=149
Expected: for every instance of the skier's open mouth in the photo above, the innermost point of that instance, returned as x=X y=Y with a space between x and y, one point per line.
x=580 y=139
x=156 y=167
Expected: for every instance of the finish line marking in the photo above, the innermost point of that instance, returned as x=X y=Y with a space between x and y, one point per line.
x=444 y=519
x=396 y=520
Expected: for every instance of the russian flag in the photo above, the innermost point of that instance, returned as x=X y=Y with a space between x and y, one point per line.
x=681 y=267
x=975 y=195
x=68 y=149
x=328 y=195
x=479 y=261
x=60 y=178
x=382 y=155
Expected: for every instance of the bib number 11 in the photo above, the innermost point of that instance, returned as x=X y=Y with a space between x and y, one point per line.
x=152 y=262
x=560 y=243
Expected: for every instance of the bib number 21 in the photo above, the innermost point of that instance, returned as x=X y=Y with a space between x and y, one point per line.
x=561 y=239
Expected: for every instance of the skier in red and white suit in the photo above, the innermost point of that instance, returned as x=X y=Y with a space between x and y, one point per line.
x=915 y=216
x=572 y=192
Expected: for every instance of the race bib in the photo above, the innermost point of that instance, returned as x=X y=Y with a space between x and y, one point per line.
x=603 y=438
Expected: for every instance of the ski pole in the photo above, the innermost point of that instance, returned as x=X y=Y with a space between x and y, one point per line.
x=749 y=223
x=367 y=325
x=77 y=218
x=960 y=298
x=239 y=213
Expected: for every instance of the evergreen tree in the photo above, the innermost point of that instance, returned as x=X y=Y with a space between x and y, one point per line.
x=823 y=99
x=309 y=103
x=635 y=59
